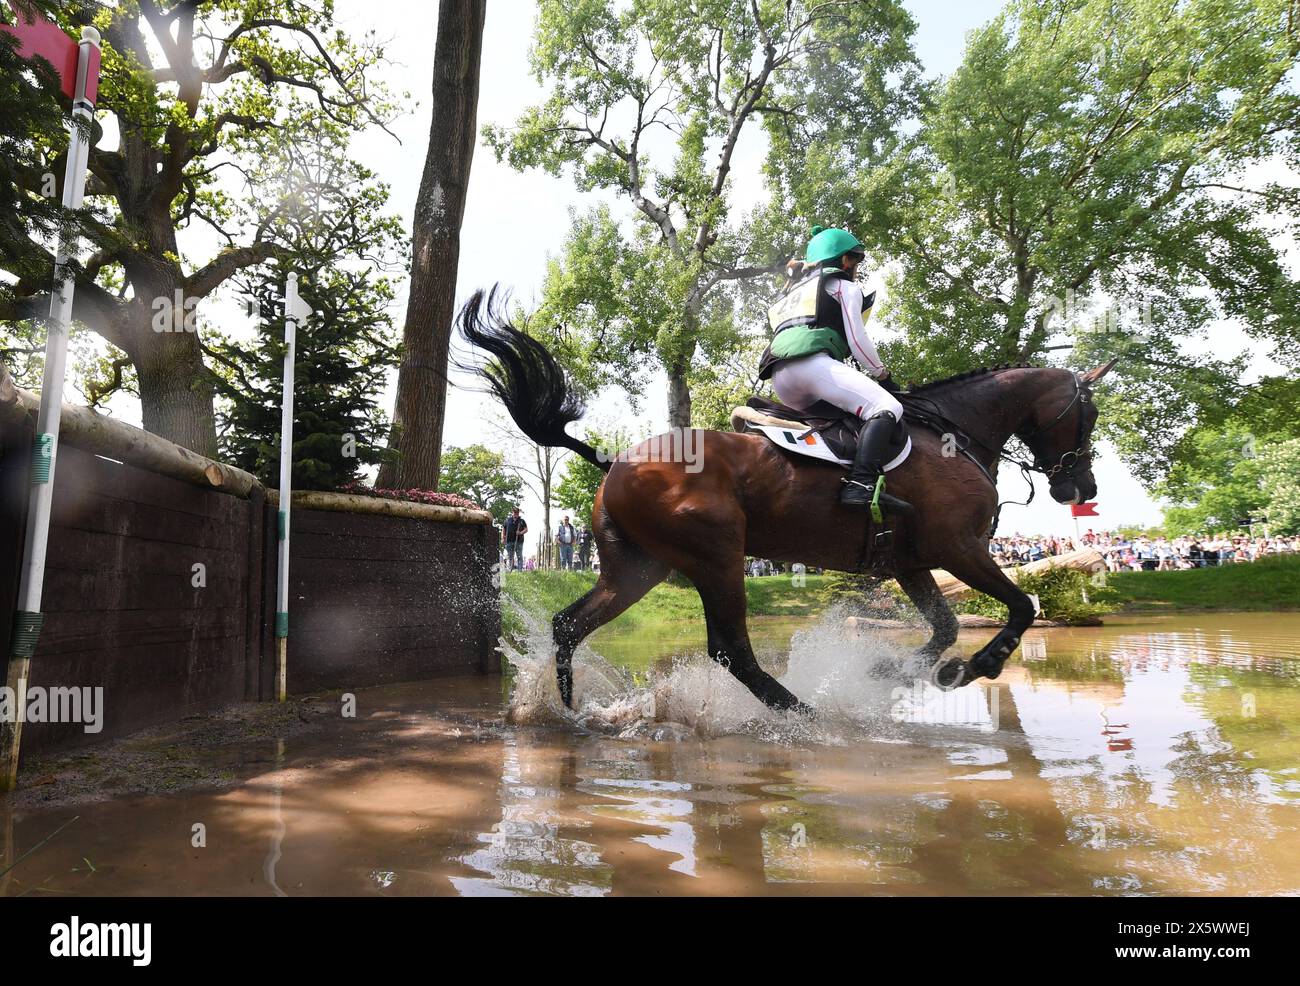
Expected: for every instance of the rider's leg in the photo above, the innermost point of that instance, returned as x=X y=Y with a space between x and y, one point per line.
x=804 y=381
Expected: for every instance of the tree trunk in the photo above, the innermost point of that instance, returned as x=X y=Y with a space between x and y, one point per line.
x=679 y=398
x=176 y=402
x=677 y=361
x=422 y=380
x=546 y=546
x=175 y=391
x=158 y=331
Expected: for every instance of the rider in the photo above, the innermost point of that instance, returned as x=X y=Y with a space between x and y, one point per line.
x=818 y=322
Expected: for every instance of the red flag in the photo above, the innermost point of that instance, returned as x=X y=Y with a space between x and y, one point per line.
x=44 y=38
x=1083 y=510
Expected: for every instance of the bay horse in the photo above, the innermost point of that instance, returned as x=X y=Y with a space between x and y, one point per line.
x=725 y=495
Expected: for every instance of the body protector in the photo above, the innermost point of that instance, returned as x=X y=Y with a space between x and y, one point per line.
x=808 y=320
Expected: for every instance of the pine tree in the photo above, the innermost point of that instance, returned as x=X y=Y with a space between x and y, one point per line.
x=344 y=349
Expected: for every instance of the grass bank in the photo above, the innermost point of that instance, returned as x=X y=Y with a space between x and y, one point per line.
x=1267 y=584
x=546 y=593
x=1270 y=584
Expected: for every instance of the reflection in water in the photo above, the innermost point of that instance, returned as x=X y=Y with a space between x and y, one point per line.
x=1131 y=759
x=524 y=853
x=274 y=853
x=1106 y=767
x=648 y=802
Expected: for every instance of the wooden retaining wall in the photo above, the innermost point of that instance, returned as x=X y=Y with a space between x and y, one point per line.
x=121 y=608
x=378 y=598
x=374 y=598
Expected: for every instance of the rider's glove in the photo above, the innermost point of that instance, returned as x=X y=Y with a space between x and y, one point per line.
x=887 y=381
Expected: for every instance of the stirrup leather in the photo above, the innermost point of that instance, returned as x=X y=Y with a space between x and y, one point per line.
x=876 y=513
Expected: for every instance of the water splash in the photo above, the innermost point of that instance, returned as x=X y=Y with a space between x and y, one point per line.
x=853 y=682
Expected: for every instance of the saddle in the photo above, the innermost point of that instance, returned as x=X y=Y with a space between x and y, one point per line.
x=826 y=432
x=837 y=428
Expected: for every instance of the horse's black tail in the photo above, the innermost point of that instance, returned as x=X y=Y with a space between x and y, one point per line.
x=530 y=383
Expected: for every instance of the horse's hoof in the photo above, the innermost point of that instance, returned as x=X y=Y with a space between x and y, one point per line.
x=794 y=707
x=985 y=666
x=951 y=675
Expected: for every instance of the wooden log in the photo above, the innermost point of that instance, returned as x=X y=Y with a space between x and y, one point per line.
x=354 y=504
x=1084 y=560
x=83 y=428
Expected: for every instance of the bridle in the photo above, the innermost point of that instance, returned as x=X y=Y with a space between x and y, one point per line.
x=1069 y=462
x=1065 y=467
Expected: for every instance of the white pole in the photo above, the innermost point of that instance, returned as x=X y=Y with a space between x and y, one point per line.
x=294 y=312
x=28 y=618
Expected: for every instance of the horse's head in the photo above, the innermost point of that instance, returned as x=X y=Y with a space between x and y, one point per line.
x=1059 y=433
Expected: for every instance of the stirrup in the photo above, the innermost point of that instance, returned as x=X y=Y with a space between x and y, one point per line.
x=875 y=489
x=848 y=491
x=879 y=501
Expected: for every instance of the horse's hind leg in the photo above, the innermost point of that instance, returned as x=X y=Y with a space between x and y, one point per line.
x=723 y=595
x=926 y=597
x=626 y=574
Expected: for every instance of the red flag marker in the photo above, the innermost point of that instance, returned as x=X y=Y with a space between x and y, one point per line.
x=44 y=39
x=1084 y=510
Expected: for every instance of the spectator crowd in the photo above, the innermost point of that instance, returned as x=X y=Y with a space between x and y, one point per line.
x=1141 y=552
x=575 y=549
x=574 y=546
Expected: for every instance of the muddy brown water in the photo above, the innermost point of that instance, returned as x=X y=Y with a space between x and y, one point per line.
x=1151 y=756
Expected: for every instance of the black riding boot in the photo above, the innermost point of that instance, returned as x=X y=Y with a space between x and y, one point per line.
x=860 y=486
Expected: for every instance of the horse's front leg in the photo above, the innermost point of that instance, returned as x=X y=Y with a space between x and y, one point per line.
x=976 y=568
x=926 y=597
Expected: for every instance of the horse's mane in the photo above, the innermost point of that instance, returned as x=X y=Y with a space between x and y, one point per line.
x=966 y=375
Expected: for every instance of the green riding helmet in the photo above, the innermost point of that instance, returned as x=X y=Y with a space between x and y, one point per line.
x=827 y=244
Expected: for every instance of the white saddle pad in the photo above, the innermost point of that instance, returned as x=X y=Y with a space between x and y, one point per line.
x=797 y=438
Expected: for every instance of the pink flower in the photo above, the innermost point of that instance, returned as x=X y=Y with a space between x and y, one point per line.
x=432 y=497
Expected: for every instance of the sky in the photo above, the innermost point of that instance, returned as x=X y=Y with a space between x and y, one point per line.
x=531 y=210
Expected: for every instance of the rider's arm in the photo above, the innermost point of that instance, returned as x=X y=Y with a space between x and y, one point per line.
x=849 y=295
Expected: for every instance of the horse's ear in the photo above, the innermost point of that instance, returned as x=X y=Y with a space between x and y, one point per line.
x=1097 y=372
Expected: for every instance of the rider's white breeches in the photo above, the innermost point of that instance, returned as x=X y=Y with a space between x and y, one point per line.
x=802 y=382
